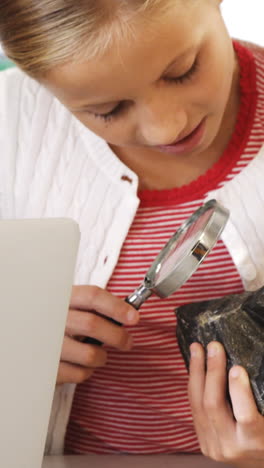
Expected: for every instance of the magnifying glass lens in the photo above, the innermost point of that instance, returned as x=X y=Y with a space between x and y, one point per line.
x=182 y=245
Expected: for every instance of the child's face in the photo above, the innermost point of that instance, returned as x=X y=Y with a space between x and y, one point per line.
x=172 y=77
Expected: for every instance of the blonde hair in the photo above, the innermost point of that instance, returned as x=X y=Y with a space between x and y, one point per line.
x=40 y=34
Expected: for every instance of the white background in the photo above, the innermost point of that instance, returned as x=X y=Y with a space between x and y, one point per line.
x=245 y=19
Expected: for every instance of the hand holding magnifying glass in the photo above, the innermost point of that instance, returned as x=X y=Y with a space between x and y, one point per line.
x=181 y=256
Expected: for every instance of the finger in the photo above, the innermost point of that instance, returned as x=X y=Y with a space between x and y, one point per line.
x=70 y=373
x=216 y=421
x=103 y=302
x=89 y=324
x=76 y=352
x=196 y=391
x=244 y=406
x=197 y=377
x=215 y=401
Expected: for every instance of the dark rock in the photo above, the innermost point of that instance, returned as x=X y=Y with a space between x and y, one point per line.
x=237 y=321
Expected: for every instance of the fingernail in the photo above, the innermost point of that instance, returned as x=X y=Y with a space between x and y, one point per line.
x=212 y=350
x=132 y=315
x=193 y=350
x=235 y=372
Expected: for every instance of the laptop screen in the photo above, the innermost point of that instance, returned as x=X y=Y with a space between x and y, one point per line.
x=37 y=260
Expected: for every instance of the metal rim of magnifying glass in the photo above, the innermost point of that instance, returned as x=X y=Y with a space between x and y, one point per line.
x=190 y=262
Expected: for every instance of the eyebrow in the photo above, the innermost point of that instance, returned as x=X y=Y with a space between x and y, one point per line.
x=179 y=58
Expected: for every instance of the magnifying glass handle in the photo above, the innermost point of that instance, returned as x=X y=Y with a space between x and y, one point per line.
x=90 y=340
x=135 y=299
x=140 y=295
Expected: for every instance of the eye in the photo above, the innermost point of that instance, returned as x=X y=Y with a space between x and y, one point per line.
x=186 y=76
x=113 y=113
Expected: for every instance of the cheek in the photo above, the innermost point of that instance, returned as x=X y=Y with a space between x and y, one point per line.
x=216 y=86
x=219 y=87
x=217 y=71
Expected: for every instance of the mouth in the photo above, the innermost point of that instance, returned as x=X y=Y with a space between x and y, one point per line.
x=187 y=142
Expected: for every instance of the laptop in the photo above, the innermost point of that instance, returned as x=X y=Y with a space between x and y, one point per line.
x=37 y=262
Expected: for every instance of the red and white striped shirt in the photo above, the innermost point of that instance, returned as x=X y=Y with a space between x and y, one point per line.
x=138 y=402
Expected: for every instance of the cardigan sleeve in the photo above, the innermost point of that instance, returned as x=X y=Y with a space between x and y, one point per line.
x=17 y=101
x=3 y=126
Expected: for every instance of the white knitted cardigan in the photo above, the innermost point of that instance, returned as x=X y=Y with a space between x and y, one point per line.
x=51 y=165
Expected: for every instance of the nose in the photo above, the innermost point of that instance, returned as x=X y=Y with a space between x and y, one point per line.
x=160 y=121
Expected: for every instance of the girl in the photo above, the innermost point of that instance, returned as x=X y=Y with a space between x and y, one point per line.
x=133 y=114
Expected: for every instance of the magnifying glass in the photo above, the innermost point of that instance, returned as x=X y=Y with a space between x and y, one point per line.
x=181 y=256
